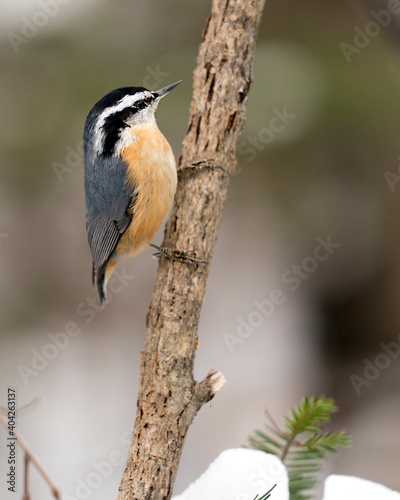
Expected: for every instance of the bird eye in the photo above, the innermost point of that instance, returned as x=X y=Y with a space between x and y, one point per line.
x=143 y=103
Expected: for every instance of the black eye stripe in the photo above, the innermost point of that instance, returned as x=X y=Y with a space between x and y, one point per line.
x=113 y=126
x=115 y=123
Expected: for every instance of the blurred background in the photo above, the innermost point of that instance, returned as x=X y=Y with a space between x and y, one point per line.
x=313 y=211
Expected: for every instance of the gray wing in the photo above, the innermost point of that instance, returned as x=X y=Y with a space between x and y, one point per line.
x=107 y=202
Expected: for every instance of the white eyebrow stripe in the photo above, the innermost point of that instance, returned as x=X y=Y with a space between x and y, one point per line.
x=126 y=102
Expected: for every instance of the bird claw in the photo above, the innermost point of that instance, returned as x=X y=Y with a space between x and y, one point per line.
x=195 y=166
x=178 y=255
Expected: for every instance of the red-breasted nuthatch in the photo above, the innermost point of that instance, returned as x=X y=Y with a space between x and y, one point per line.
x=130 y=177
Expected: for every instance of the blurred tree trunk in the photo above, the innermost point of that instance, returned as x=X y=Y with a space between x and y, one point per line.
x=169 y=397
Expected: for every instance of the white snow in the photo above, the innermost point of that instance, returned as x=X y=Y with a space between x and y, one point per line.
x=240 y=474
x=354 y=488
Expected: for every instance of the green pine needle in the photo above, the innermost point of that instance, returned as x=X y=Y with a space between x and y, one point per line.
x=266 y=495
x=302 y=445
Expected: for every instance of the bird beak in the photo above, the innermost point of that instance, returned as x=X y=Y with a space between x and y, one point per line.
x=159 y=94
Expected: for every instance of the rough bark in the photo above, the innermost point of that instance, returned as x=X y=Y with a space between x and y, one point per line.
x=169 y=397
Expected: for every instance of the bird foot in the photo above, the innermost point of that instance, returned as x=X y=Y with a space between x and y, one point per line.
x=187 y=256
x=196 y=166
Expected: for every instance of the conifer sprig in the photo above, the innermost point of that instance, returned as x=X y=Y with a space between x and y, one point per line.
x=266 y=495
x=302 y=445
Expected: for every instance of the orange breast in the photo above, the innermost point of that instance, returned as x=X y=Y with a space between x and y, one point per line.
x=152 y=175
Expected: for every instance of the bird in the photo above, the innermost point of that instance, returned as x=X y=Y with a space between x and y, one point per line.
x=130 y=177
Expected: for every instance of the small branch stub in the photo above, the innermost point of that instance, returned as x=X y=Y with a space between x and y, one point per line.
x=209 y=387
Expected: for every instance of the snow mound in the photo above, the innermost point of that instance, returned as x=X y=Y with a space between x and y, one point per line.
x=240 y=474
x=355 y=488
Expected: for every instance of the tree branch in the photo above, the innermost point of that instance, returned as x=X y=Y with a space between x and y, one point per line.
x=29 y=456
x=169 y=397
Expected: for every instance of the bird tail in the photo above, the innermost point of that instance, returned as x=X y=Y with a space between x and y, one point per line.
x=100 y=278
x=101 y=287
